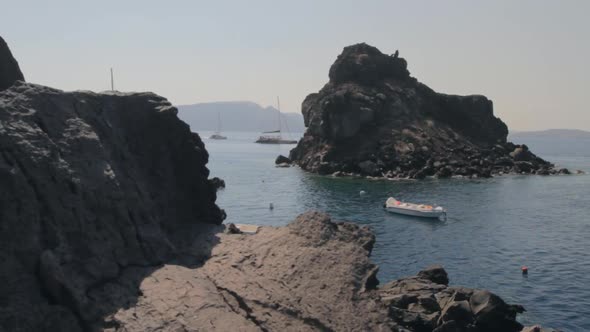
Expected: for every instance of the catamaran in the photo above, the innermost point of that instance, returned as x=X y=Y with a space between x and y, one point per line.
x=275 y=139
x=217 y=134
x=417 y=210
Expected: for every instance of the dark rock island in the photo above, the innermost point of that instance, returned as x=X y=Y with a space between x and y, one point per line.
x=372 y=118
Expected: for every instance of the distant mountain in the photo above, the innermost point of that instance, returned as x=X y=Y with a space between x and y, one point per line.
x=238 y=116
x=552 y=133
x=553 y=143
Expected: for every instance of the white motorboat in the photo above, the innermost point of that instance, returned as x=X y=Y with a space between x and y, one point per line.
x=417 y=210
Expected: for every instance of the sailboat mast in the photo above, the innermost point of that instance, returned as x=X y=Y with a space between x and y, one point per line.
x=279 y=107
x=112 y=81
x=218 y=123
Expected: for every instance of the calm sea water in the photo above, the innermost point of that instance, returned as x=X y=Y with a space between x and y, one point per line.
x=494 y=227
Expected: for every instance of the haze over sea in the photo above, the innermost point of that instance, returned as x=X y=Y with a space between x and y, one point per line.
x=494 y=227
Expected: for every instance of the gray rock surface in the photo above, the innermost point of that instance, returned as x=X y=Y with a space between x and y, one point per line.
x=9 y=69
x=372 y=118
x=94 y=187
x=312 y=275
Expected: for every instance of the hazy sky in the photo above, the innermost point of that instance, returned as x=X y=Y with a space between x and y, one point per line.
x=530 y=57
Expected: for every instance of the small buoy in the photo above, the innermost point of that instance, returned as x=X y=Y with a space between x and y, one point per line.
x=271 y=207
x=525 y=270
x=362 y=192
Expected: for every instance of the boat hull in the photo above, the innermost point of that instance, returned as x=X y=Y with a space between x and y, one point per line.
x=415 y=213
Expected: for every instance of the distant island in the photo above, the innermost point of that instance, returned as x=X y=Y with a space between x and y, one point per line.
x=238 y=116
x=552 y=133
x=555 y=142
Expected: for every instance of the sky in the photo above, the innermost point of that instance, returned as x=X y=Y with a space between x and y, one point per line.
x=529 y=57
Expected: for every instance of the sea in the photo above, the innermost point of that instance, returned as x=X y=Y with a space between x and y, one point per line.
x=494 y=226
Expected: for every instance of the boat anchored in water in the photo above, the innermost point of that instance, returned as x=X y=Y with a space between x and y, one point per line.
x=217 y=134
x=418 y=210
x=278 y=139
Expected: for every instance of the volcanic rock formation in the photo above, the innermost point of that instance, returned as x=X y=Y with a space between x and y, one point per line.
x=92 y=185
x=373 y=118
x=9 y=69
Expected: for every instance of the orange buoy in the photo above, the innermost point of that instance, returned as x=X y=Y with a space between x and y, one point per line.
x=525 y=270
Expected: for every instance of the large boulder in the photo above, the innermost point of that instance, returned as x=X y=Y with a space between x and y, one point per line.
x=94 y=186
x=492 y=313
x=9 y=69
x=426 y=303
x=282 y=160
x=436 y=274
x=372 y=111
x=522 y=153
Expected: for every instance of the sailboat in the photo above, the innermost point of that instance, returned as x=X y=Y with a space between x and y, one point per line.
x=217 y=134
x=275 y=139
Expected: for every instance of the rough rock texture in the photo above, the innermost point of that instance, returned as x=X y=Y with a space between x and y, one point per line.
x=373 y=118
x=94 y=187
x=421 y=304
x=312 y=275
x=9 y=69
x=282 y=160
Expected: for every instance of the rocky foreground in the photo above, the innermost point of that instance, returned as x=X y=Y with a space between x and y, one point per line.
x=93 y=186
x=312 y=275
x=372 y=118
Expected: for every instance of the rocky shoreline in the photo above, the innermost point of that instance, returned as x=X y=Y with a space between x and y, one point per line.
x=311 y=275
x=373 y=119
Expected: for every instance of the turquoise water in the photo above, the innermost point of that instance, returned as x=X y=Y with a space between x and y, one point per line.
x=494 y=226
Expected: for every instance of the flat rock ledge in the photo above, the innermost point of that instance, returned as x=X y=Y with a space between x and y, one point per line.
x=311 y=275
